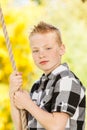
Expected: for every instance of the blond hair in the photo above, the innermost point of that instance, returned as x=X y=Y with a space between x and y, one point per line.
x=43 y=28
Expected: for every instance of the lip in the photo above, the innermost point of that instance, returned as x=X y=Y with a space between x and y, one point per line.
x=43 y=62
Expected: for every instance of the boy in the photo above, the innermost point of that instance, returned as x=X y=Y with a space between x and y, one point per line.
x=57 y=99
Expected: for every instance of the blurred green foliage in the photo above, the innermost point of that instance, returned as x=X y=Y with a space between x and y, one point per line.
x=70 y=17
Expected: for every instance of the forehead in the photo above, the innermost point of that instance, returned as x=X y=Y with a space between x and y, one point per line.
x=37 y=38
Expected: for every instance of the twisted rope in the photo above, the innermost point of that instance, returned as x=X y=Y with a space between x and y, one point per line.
x=9 y=47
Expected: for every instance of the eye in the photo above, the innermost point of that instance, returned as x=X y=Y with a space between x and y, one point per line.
x=48 y=48
x=34 y=51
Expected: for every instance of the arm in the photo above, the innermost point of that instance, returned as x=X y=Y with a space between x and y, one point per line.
x=50 y=121
x=15 y=84
x=15 y=113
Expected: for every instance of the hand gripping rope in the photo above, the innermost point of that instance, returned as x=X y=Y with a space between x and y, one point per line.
x=8 y=44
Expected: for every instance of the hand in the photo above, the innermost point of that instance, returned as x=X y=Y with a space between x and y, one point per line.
x=16 y=82
x=21 y=99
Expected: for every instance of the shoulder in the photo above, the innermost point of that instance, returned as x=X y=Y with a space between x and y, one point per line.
x=68 y=81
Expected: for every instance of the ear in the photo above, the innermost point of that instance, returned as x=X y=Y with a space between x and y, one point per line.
x=62 y=49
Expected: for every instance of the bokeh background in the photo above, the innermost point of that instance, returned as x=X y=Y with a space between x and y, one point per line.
x=70 y=16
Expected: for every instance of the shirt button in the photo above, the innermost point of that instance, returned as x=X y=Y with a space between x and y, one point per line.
x=44 y=102
x=60 y=103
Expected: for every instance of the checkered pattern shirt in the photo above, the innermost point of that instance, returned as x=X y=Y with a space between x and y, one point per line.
x=60 y=91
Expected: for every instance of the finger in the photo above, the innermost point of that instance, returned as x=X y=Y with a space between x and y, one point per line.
x=17 y=73
x=15 y=96
x=19 y=78
x=14 y=73
x=16 y=79
x=19 y=82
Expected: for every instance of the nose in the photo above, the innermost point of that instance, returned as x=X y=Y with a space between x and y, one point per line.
x=41 y=54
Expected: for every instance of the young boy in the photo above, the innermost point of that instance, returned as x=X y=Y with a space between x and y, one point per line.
x=57 y=99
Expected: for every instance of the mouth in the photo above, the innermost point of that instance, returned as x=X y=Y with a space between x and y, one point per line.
x=43 y=62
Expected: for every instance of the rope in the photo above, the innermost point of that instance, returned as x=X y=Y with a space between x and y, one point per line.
x=9 y=47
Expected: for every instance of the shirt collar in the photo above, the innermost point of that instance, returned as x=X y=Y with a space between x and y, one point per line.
x=55 y=72
x=60 y=68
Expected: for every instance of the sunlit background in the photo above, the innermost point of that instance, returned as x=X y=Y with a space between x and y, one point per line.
x=70 y=16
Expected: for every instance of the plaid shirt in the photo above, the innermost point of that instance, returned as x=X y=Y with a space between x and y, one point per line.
x=60 y=91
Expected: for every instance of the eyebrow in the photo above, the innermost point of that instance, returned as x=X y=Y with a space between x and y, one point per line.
x=46 y=45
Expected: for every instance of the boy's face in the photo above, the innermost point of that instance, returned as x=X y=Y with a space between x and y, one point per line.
x=45 y=51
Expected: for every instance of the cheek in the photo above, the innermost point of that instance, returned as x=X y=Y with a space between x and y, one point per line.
x=54 y=54
x=35 y=58
x=56 y=57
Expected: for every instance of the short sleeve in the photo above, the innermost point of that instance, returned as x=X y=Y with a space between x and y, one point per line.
x=66 y=96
